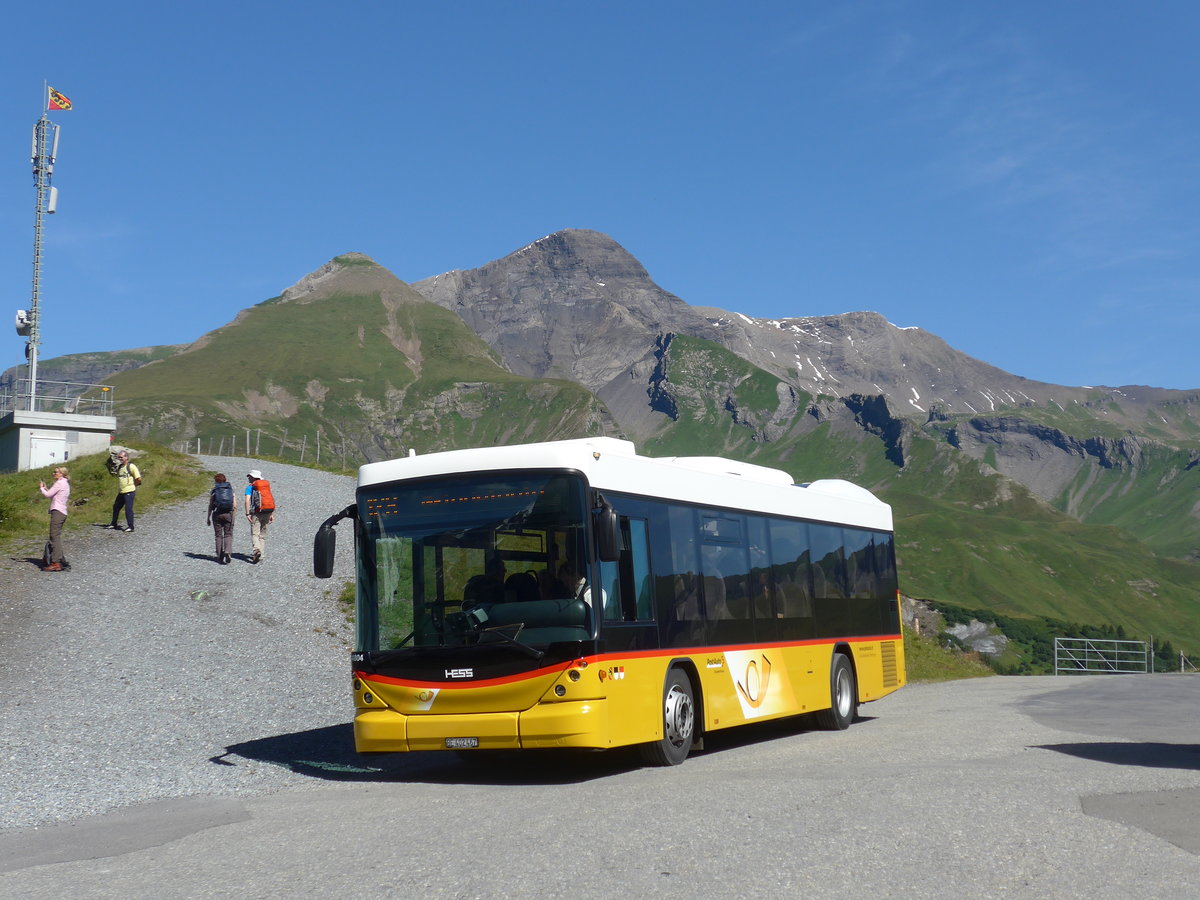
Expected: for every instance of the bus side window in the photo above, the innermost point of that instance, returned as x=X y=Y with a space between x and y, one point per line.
x=641 y=586
x=790 y=564
x=761 y=594
x=860 y=564
x=610 y=584
x=628 y=584
x=725 y=564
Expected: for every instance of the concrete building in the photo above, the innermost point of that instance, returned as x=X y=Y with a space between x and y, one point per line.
x=66 y=424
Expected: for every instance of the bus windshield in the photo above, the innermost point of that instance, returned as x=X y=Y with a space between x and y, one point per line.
x=473 y=560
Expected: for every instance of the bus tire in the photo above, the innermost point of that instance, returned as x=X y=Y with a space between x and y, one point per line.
x=679 y=722
x=843 y=696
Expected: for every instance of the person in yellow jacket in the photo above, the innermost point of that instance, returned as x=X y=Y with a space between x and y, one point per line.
x=128 y=478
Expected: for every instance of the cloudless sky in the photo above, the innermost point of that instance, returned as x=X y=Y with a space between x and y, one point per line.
x=1019 y=178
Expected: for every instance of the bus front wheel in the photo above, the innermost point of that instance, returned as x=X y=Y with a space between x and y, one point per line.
x=679 y=722
x=843 y=696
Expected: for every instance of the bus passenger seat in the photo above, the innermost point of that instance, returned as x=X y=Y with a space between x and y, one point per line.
x=521 y=587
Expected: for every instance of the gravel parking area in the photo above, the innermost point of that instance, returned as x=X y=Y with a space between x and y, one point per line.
x=177 y=728
x=122 y=679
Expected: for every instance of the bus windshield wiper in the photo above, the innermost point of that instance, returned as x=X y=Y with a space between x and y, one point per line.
x=411 y=635
x=496 y=635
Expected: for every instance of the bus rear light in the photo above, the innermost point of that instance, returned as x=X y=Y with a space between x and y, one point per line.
x=560 y=690
x=574 y=675
x=367 y=698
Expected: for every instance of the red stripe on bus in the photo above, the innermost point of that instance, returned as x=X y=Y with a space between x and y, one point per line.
x=599 y=657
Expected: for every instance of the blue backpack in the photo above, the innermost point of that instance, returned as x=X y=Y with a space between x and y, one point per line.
x=223 y=497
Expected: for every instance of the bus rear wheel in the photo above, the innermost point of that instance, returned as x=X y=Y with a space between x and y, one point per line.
x=843 y=696
x=679 y=722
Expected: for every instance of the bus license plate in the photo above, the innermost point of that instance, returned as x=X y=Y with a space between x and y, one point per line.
x=462 y=743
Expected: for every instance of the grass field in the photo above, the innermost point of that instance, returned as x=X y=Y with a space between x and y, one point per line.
x=167 y=477
x=926 y=660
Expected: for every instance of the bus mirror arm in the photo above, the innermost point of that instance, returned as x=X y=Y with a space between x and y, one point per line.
x=607 y=526
x=325 y=542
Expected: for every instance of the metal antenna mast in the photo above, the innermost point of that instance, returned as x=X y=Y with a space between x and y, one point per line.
x=44 y=152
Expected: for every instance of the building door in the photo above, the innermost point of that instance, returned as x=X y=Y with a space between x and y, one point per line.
x=47 y=451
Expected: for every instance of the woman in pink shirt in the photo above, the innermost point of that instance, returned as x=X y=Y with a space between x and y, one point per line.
x=58 y=494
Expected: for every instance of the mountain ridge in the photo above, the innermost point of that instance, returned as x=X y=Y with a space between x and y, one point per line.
x=570 y=336
x=517 y=309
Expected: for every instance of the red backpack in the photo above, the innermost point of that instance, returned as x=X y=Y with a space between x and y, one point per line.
x=261 y=499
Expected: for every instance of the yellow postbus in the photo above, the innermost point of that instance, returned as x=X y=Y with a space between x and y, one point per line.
x=576 y=594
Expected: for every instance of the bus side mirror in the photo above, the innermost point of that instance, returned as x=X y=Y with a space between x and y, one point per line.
x=325 y=543
x=608 y=534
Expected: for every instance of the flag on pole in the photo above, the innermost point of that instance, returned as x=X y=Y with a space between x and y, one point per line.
x=58 y=101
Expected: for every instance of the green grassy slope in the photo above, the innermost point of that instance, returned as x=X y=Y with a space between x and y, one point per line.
x=1155 y=501
x=398 y=372
x=1144 y=482
x=65 y=368
x=168 y=477
x=398 y=375
x=965 y=535
x=975 y=539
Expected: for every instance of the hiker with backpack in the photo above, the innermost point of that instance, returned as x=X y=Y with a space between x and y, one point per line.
x=260 y=510
x=220 y=516
x=128 y=478
x=58 y=494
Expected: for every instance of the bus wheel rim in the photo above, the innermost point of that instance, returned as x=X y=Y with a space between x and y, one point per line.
x=679 y=716
x=843 y=693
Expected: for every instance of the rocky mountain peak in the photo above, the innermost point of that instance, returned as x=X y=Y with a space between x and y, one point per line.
x=349 y=273
x=582 y=253
x=574 y=304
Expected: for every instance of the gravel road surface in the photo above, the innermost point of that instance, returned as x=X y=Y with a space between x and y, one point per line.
x=175 y=728
x=124 y=676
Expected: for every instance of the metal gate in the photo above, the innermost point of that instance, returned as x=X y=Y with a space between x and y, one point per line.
x=1086 y=656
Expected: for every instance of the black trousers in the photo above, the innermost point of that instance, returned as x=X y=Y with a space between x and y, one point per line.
x=124 y=500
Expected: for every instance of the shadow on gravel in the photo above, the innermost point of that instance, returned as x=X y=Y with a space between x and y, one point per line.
x=37 y=562
x=328 y=754
x=1157 y=756
x=211 y=557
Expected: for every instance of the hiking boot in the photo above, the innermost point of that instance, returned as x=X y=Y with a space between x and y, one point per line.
x=53 y=567
x=257 y=556
x=126 y=529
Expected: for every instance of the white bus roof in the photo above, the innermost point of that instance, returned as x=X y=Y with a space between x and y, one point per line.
x=614 y=465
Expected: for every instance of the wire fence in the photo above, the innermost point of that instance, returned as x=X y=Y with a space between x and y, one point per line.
x=316 y=449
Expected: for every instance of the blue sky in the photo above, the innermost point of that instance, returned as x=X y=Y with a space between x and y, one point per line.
x=1020 y=179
